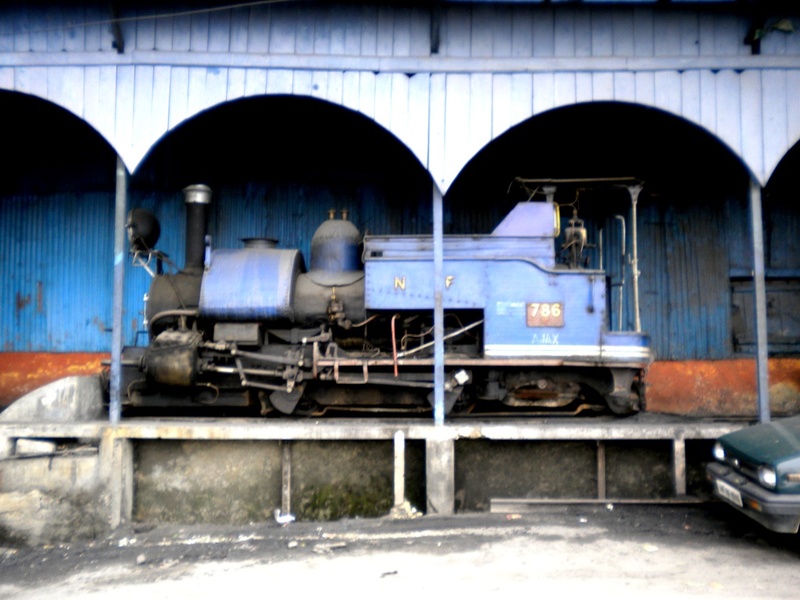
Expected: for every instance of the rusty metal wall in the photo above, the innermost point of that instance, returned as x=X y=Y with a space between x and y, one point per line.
x=23 y=372
x=722 y=387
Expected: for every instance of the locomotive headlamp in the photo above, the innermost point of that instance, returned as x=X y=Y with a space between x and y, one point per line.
x=767 y=477
x=143 y=230
x=719 y=452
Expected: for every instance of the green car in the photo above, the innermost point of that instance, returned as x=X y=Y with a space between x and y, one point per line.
x=757 y=471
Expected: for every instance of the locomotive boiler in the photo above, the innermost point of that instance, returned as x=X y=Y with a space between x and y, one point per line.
x=354 y=330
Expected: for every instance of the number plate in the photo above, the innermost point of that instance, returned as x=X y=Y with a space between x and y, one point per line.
x=730 y=493
x=545 y=314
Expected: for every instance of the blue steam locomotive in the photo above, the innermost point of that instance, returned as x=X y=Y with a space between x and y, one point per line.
x=253 y=327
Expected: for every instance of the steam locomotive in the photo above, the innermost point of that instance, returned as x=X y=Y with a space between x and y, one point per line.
x=253 y=327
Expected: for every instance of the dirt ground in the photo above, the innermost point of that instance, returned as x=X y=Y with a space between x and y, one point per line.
x=598 y=551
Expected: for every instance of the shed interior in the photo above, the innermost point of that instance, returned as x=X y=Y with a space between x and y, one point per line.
x=278 y=163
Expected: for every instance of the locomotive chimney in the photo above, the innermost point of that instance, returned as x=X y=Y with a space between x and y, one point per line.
x=197 y=199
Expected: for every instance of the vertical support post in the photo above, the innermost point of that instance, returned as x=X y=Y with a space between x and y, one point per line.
x=440 y=475
x=115 y=406
x=601 y=470
x=399 y=469
x=679 y=464
x=635 y=190
x=8 y=446
x=621 y=285
x=438 y=309
x=286 y=477
x=116 y=463
x=760 y=304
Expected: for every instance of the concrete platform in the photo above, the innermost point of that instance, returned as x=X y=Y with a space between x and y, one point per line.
x=117 y=465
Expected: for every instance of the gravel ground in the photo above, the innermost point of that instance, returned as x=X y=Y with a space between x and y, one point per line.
x=619 y=551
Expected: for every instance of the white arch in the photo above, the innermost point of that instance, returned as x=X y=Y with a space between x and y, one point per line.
x=444 y=119
x=755 y=113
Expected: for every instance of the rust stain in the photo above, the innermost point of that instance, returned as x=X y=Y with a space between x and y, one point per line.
x=100 y=324
x=22 y=301
x=724 y=388
x=23 y=372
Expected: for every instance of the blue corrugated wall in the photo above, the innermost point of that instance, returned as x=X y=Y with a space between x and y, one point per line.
x=685 y=284
x=56 y=250
x=56 y=253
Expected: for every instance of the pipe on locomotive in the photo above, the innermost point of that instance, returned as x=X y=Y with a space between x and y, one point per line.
x=179 y=291
x=197 y=199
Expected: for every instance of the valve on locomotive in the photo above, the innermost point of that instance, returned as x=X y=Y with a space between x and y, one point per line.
x=575 y=238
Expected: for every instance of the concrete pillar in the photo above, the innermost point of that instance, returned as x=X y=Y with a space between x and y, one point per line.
x=286 y=478
x=399 y=469
x=679 y=464
x=116 y=464
x=601 y=470
x=440 y=475
x=8 y=446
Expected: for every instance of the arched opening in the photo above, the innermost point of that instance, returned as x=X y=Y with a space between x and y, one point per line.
x=694 y=244
x=56 y=201
x=277 y=164
x=782 y=242
x=782 y=275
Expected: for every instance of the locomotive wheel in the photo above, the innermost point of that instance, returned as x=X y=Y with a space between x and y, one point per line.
x=286 y=402
x=623 y=405
x=627 y=398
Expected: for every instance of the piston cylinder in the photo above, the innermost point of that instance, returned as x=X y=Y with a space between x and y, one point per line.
x=172 y=358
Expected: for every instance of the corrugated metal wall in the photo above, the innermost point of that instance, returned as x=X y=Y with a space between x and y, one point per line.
x=290 y=212
x=685 y=285
x=56 y=252
x=60 y=281
x=782 y=227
